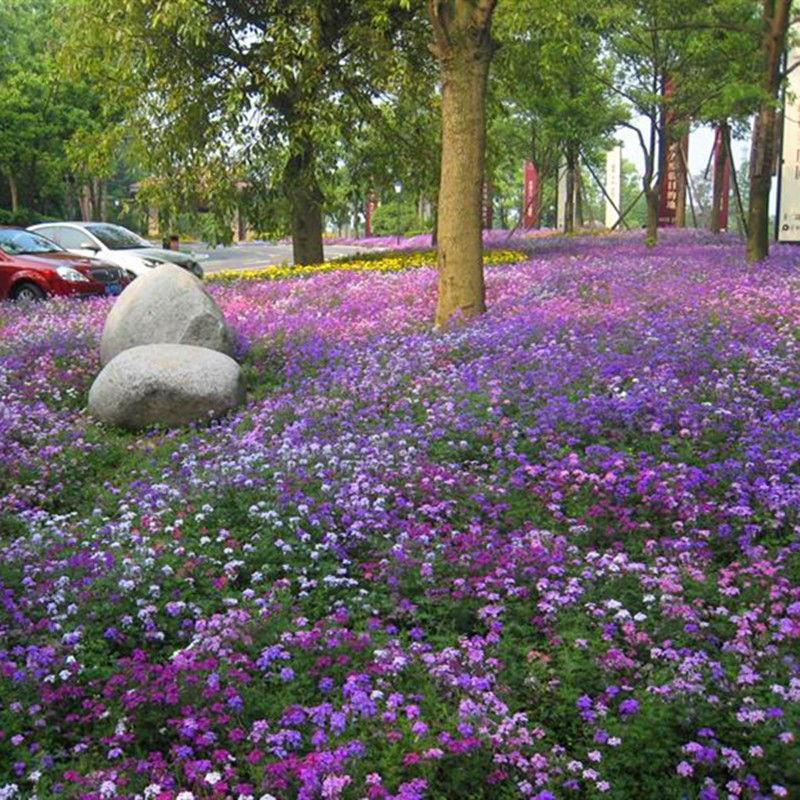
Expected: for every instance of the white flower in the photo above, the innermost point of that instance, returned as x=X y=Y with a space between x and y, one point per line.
x=212 y=778
x=108 y=789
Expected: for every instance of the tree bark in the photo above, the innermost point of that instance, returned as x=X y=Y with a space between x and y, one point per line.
x=463 y=47
x=102 y=195
x=654 y=179
x=718 y=185
x=86 y=202
x=653 y=198
x=682 y=182
x=13 y=187
x=305 y=199
x=569 y=200
x=775 y=14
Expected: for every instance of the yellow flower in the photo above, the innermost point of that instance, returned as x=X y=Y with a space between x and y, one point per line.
x=379 y=262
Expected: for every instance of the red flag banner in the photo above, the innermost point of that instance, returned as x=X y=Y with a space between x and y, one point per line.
x=672 y=202
x=530 y=207
x=668 y=205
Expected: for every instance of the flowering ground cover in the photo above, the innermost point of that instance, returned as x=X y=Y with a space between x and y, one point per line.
x=552 y=553
x=395 y=259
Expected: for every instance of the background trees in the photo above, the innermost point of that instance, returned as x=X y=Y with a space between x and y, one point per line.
x=242 y=92
x=297 y=112
x=554 y=80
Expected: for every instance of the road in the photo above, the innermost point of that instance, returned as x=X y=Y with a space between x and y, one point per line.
x=252 y=255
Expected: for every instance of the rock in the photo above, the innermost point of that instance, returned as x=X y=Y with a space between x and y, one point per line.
x=166 y=384
x=167 y=305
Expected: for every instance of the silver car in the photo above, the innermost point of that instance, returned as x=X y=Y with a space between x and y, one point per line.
x=114 y=244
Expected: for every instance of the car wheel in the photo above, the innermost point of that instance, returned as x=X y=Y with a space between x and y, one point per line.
x=27 y=293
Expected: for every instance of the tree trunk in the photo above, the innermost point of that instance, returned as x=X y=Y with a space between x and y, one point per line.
x=653 y=197
x=718 y=185
x=102 y=195
x=70 y=203
x=762 y=154
x=682 y=181
x=463 y=47
x=775 y=14
x=569 y=200
x=652 y=186
x=86 y=202
x=305 y=198
x=13 y=187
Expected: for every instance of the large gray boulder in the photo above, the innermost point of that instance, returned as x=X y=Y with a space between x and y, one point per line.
x=166 y=384
x=167 y=305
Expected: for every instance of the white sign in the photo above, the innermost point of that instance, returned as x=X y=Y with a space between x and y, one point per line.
x=788 y=210
x=613 y=186
x=561 y=207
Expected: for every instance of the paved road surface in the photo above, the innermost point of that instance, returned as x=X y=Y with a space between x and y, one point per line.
x=255 y=254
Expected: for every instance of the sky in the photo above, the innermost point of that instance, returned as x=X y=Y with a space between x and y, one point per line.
x=701 y=142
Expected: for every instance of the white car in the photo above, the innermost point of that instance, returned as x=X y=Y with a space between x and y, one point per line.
x=114 y=244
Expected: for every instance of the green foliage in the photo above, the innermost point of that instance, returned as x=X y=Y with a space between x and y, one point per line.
x=633 y=200
x=706 y=52
x=396 y=218
x=552 y=96
x=270 y=101
x=22 y=217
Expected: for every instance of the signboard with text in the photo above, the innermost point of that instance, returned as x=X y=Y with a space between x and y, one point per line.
x=788 y=210
x=672 y=202
x=561 y=208
x=673 y=183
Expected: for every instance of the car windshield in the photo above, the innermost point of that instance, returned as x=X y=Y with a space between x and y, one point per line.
x=115 y=237
x=24 y=243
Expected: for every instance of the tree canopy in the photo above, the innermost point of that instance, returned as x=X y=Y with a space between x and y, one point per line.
x=299 y=111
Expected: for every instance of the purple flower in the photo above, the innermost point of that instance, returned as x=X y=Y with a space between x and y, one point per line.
x=628 y=707
x=584 y=702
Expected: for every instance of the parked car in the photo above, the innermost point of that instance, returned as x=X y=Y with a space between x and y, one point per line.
x=115 y=244
x=32 y=268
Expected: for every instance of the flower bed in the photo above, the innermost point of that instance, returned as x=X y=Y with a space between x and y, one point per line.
x=381 y=261
x=550 y=554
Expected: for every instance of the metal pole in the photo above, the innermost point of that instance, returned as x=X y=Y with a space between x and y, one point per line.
x=607 y=195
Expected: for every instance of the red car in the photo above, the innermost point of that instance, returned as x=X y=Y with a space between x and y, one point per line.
x=32 y=268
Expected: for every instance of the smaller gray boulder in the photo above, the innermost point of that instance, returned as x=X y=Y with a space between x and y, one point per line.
x=166 y=384
x=167 y=305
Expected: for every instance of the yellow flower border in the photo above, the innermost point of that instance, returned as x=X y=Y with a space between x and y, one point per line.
x=389 y=262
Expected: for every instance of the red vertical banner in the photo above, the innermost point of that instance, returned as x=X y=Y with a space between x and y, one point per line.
x=488 y=206
x=725 y=165
x=672 y=183
x=530 y=196
x=672 y=204
x=369 y=210
x=668 y=204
